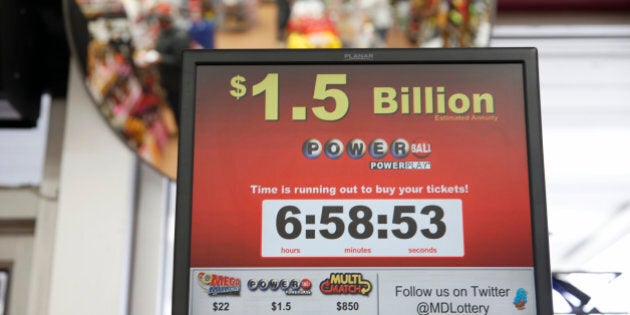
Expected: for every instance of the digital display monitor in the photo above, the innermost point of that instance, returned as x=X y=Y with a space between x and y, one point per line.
x=379 y=181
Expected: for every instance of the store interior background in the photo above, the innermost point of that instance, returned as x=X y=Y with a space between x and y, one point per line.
x=86 y=226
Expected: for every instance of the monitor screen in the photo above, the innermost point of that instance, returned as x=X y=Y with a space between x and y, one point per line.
x=382 y=181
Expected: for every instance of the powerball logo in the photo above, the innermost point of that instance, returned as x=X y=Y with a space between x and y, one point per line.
x=399 y=154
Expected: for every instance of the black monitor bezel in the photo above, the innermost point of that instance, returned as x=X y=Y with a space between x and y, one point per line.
x=527 y=57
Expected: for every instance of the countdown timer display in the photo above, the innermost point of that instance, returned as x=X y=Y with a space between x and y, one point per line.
x=375 y=183
x=388 y=228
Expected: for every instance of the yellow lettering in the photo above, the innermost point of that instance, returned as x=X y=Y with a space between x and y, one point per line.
x=464 y=103
x=384 y=100
x=480 y=99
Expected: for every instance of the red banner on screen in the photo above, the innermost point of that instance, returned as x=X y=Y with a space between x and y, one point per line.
x=274 y=134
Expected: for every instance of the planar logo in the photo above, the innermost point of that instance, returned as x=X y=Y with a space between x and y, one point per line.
x=358 y=56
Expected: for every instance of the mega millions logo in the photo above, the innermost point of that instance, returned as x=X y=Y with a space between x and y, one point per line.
x=346 y=284
x=219 y=285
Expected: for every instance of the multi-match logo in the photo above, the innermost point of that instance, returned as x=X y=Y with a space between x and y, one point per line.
x=289 y=287
x=400 y=149
x=218 y=285
x=346 y=284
